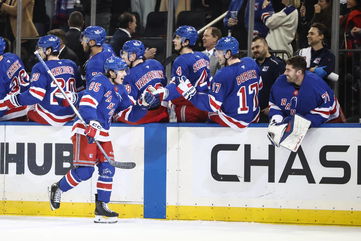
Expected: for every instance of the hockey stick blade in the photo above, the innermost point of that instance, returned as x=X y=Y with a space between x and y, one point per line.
x=122 y=165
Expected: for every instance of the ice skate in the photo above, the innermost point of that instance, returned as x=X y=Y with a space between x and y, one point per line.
x=55 y=196
x=103 y=214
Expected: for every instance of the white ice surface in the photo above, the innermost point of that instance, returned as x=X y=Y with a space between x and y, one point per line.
x=13 y=228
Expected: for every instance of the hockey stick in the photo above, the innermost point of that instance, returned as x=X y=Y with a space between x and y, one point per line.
x=123 y=165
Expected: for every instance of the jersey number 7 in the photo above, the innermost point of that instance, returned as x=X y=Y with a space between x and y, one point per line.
x=243 y=93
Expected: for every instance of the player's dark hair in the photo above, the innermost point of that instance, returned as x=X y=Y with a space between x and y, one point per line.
x=322 y=29
x=216 y=32
x=76 y=19
x=124 y=19
x=259 y=38
x=297 y=62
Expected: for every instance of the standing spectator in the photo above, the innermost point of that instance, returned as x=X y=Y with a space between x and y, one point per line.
x=40 y=19
x=143 y=8
x=348 y=22
x=72 y=36
x=127 y=26
x=42 y=97
x=13 y=80
x=319 y=59
x=28 y=29
x=235 y=23
x=301 y=92
x=260 y=29
x=210 y=37
x=271 y=68
x=282 y=25
x=65 y=52
x=233 y=97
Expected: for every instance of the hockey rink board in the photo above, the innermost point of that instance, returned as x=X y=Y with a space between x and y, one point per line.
x=192 y=171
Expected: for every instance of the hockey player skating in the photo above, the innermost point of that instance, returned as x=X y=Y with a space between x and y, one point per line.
x=299 y=99
x=233 y=97
x=144 y=75
x=13 y=80
x=99 y=102
x=46 y=103
x=192 y=65
x=93 y=38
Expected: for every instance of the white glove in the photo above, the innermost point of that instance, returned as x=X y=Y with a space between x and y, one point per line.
x=185 y=88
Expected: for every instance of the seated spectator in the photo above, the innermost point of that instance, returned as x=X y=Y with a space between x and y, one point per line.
x=319 y=59
x=65 y=52
x=72 y=36
x=271 y=68
x=210 y=37
x=282 y=25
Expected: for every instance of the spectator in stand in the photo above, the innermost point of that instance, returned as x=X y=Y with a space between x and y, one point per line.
x=40 y=18
x=103 y=12
x=210 y=37
x=28 y=29
x=260 y=29
x=127 y=26
x=349 y=22
x=319 y=59
x=234 y=21
x=73 y=35
x=271 y=68
x=143 y=8
x=65 y=52
x=322 y=14
x=282 y=25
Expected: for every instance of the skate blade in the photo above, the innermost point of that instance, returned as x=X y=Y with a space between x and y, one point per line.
x=104 y=219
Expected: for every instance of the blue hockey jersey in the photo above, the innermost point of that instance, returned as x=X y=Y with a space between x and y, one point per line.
x=194 y=66
x=95 y=64
x=139 y=78
x=13 y=80
x=234 y=94
x=100 y=101
x=43 y=88
x=314 y=99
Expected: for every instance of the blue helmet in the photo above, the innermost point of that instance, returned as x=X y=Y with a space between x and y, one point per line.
x=95 y=33
x=228 y=43
x=115 y=63
x=49 y=41
x=2 y=45
x=187 y=32
x=134 y=46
